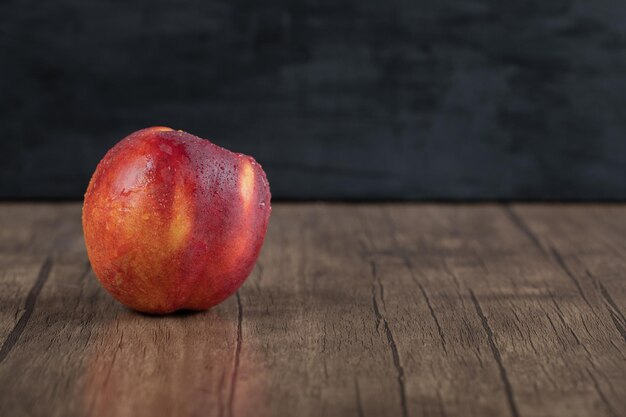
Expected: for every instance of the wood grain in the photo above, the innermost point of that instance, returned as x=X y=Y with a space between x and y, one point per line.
x=363 y=310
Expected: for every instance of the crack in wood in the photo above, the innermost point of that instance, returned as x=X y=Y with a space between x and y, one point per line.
x=603 y=398
x=391 y=342
x=554 y=254
x=117 y=349
x=409 y=266
x=29 y=307
x=359 y=404
x=522 y=226
x=233 y=380
x=616 y=315
x=508 y=389
x=434 y=317
x=325 y=365
x=561 y=317
x=559 y=259
x=376 y=310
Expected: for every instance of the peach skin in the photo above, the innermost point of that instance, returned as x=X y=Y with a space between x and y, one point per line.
x=172 y=221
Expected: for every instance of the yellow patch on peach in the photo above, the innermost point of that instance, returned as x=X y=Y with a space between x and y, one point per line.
x=161 y=129
x=246 y=184
x=240 y=242
x=181 y=222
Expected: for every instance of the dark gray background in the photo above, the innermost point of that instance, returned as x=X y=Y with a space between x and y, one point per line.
x=360 y=99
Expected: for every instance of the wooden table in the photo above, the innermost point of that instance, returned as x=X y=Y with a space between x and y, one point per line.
x=352 y=310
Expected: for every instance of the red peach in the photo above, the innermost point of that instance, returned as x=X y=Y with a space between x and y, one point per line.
x=172 y=221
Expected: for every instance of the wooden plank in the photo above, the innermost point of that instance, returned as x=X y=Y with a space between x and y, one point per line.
x=549 y=347
x=366 y=310
x=310 y=325
x=30 y=235
x=444 y=358
x=588 y=243
x=21 y=280
x=84 y=354
x=42 y=229
x=81 y=353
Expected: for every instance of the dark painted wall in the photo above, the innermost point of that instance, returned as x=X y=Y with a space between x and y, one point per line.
x=337 y=99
